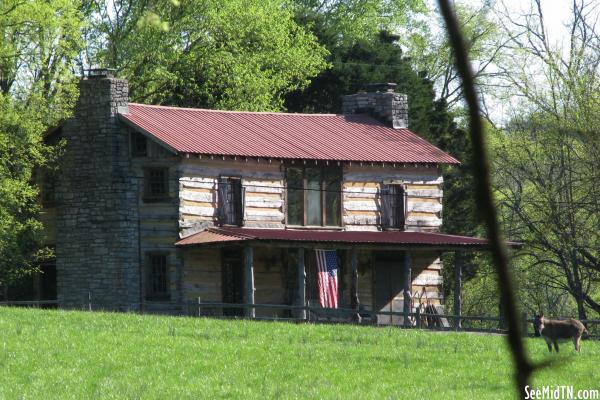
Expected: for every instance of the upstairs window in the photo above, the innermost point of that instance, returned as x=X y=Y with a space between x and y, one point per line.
x=156 y=184
x=314 y=196
x=393 y=206
x=139 y=145
x=230 y=201
x=48 y=189
x=157 y=277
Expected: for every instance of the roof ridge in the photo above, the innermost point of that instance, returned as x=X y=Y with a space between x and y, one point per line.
x=244 y=112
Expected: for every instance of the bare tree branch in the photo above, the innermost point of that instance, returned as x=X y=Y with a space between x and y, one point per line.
x=484 y=193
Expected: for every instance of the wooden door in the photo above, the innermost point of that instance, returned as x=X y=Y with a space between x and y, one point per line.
x=232 y=280
x=388 y=284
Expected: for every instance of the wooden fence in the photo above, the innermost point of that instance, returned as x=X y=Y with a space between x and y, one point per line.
x=30 y=303
x=312 y=314
x=417 y=319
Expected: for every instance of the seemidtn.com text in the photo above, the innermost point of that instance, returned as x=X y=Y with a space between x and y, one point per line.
x=560 y=392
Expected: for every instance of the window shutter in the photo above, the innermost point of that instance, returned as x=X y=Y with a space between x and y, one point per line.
x=222 y=200
x=386 y=200
x=242 y=213
x=230 y=204
x=403 y=197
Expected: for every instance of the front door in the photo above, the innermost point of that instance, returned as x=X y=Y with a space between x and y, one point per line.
x=232 y=280
x=388 y=285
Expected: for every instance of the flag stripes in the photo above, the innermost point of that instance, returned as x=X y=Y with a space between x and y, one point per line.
x=327 y=280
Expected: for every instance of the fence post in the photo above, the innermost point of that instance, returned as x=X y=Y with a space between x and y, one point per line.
x=525 y=325
x=458 y=264
x=418 y=317
x=89 y=301
x=199 y=311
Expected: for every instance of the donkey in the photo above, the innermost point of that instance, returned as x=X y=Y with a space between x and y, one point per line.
x=555 y=330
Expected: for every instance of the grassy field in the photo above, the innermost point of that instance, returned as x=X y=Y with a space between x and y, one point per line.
x=60 y=355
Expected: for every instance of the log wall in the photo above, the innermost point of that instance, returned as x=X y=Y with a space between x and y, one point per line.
x=362 y=203
x=202 y=277
x=426 y=280
x=263 y=183
x=265 y=195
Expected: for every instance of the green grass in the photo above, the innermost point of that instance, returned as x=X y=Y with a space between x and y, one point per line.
x=61 y=355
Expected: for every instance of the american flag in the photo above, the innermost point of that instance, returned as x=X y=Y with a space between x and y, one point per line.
x=327 y=282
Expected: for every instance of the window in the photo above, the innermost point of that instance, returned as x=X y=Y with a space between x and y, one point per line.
x=393 y=206
x=139 y=145
x=156 y=184
x=314 y=196
x=157 y=278
x=231 y=201
x=48 y=189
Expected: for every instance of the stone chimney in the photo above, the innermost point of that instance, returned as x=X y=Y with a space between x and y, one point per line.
x=381 y=101
x=101 y=88
x=97 y=253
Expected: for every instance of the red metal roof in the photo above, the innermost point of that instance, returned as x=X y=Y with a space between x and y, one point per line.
x=282 y=136
x=425 y=239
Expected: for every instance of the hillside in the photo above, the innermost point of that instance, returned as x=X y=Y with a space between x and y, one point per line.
x=59 y=354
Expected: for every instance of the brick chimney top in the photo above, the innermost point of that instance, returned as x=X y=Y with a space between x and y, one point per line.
x=98 y=73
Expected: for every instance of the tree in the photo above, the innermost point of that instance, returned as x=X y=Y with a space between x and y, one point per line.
x=40 y=40
x=431 y=52
x=240 y=55
x=547 y=157
x=38 y=43
x=551 y=203
x=343 y=22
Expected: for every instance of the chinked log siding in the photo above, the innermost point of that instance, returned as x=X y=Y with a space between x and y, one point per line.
x=263 y=184
x=203 y=278
x=362 y=196
x=265 y=197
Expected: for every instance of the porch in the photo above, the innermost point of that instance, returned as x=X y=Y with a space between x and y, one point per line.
x=383 y=277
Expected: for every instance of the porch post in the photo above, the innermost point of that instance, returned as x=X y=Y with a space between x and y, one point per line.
x=301 y=284
x=458 y=261
x=249 y=267
x=407 y=287
x=354 y=303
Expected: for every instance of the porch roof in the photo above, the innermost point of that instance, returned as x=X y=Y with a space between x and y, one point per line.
x=226 y=235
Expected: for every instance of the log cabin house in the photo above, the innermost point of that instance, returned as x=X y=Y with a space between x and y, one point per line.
x=156 y=206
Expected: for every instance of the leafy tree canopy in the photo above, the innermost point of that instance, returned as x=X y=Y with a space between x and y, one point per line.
x=345 y=21
x=239 y=55
x=39 y=40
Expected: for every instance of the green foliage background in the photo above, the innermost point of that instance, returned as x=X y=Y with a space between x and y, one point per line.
x=39 y=41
